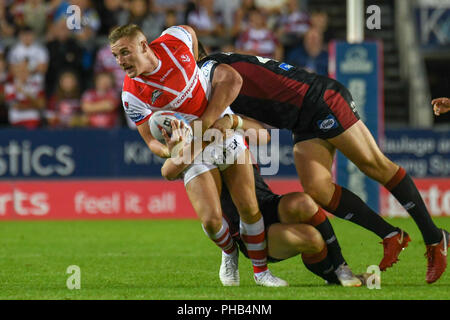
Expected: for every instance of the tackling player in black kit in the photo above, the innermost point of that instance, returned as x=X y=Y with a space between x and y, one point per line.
x=322 y=116
x=294 y=224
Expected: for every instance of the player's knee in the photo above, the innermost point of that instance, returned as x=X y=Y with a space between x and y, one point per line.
x=320 y=191
x=212 y=223
x=247 y=209
x=299 y=207
x=315 y=241
x=377 y=167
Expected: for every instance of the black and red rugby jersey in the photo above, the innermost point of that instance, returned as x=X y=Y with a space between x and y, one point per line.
x=272 y=92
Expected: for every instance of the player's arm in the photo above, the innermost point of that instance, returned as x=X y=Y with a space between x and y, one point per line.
x=440 y=105
x=154 y=145
x=226 y=84
x=253 y=129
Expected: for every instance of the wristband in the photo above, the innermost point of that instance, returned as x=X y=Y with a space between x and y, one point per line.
x=240 y=123
x=231 y=119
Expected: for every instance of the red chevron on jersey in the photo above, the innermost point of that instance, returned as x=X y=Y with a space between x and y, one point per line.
x=176 y=84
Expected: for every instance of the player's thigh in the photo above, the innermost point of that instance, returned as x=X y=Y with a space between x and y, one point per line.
x=204 y=193
x=358 y=145
x=288 y=240
x=313 y=161
x=296 y=207
x=240 y=181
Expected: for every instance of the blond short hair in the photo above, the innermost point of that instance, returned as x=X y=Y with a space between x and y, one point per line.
x=128 y=30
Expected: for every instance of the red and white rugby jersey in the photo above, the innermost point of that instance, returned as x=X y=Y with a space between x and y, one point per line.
x=176 y=84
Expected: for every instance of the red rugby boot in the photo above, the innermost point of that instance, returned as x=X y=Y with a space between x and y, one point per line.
x=437 y=258
x=392 y=247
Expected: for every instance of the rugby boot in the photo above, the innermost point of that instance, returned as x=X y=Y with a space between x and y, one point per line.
x=437 y=258
x=229 y=269
x=267 y=279
x=392 y=247
x=346 y=276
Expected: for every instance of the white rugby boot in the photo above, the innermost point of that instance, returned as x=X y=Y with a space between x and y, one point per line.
x=267 y=279
x=346 y=276
x=229 y=269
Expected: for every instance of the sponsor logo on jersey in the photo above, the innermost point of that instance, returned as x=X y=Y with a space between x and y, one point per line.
x=155 y=95
x=285 y=66
x=327 y=124
x=353 y=106
x=136 y=117
x=185 y=58
x=207 y=67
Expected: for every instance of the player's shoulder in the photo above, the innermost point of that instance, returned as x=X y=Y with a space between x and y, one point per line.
x=177 y=34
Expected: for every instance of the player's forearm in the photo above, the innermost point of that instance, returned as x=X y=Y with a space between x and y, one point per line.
x=174 y=166
x=225 y=88
x=159 y=149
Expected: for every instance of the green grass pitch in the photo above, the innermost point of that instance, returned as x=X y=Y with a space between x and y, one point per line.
x=173 y=260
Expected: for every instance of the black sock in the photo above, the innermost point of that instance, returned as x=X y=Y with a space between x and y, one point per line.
x=347 y=205
x=405 y=191
x=323 y=225
x=320 y=264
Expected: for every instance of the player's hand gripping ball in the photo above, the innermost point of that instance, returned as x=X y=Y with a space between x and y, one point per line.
x=162 y=120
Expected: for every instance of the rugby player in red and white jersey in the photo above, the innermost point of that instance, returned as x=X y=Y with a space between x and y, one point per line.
x=163 y=75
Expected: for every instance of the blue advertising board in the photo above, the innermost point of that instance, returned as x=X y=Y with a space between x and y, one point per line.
x=359 y=68
x=89 y=153
x=422 y=153
x=433 y=24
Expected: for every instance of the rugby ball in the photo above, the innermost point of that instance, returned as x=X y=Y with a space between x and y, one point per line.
x=162 y=120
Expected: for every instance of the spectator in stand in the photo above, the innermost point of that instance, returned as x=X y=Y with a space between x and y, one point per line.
x=110 y=11
x=100 y=105
x=35 y=15
x=319 y=20
x=170 y=19
x=7 y=27
x=293 y=23
x=3 y=81
x=27 y=49
x=258 y=39
x=228 y=9
x=57 y=9
x=271 y=6
x=205 y=21
x=25 y=97
x=15 y=11
x=105 y=62
x=241 y=18
x=87 y=35
x=179 y=6
x=90 y=22
x=65 y=52
x=310 y=54
x=65 y=104
x=141 y=13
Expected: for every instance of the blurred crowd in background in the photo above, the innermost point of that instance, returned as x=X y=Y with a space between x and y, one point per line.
x=51 y=76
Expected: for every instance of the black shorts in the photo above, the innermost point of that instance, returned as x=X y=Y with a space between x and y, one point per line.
x=268 y=204
x=328 y=110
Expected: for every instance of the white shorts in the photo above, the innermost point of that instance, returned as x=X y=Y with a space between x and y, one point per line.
x=216 y=156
